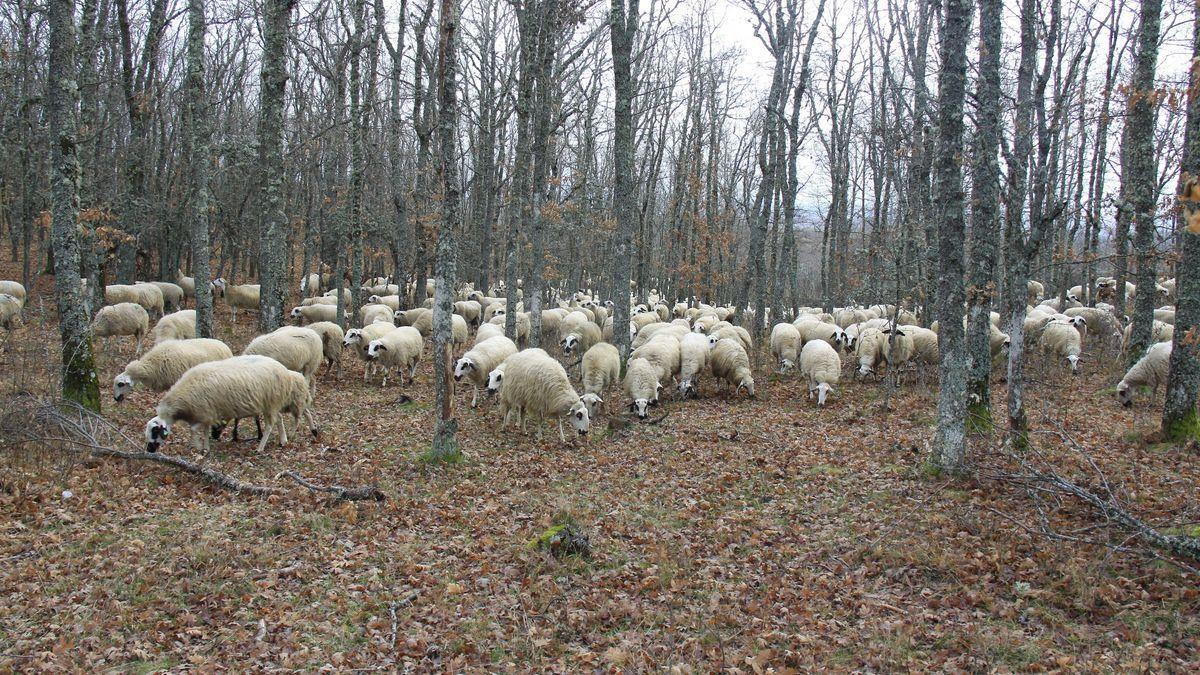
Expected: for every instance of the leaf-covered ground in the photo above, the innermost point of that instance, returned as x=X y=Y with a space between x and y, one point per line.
x=753 y=535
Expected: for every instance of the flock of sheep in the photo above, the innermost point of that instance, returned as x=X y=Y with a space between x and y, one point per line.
x=206 y=386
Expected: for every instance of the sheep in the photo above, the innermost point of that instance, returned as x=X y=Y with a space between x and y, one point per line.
x=486 y=331
x=1035 y=291
x=870 y=350
x=172 y=294
x=648 y=331
x=347 y=295
x=188 y=284
x=1099 y=321
x=523 y=325
x=1159 y=332
x=331 y=342
x=1165 y=315
x=642 y=320
x=244 y=296
x=10 y=311
x=734 y=333
x=481 y=360
x=820 y=330
x=571 y=322
x=368 y=314
x=14 y=289
x=1061 y=338
x=642 y=386
x=551 y=318
x=1149 y=370
x=399 y=348
x=298 y=349
x=925 y=344
x=469 y=310
x=663 y=353
x=601 y=368
x=407 y=317
x=495 y=380
x=149 y=297
x=392 y=301
x=241 y=386
x=360 y=339
x=537 y=385
x=459 y=332
x=703 y=324
x=125 y=318
x=694 y=350
x=729 y=362
x=580 y=338
x=492 y=309
x=314 y=313
x=319 y=300
x=381 y=289
x=163 y=365
x=821 y=365
x=179 y=325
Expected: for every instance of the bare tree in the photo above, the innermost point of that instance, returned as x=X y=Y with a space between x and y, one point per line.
x=623 y=28
x=196 y=148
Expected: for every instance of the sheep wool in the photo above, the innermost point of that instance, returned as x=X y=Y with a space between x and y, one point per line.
x=331 y=342
x=663 y=353
x=165 y=363
x=188 y=284
x=125 y=318
x=172 y=294
x=400 y=348
x=242 y=386
x=360 y=339
x=368 y=314
x=694 y=350
x=314 y=313
x=537 y=385
x=1150 y=370
x=1060 y=338
x=10 y=311
x=642 y=386
x=601 y=368
x=179 y=325
x=13 y=288
x=297 y=348
x=487 y=331
x=730 y=363
x=821 y=366
x=481 y=360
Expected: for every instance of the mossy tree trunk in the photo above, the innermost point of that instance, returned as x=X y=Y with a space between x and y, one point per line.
x=623 y=27
x=196 y=152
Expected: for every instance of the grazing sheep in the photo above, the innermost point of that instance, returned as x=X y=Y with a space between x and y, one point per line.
x=319 y=300
x=648 y=331
x=694 y=350
x=821 y=366
x=1150 y=370
x=486 y=331
x=1159 y=332
x=523 y=325
x=493 y=309
x=242 y=386
x=580 y=338
x=408 y=317
x=1062 y=339
x=734 y=333
x=164 y=364
x=537 y=385
x=821 y=330
x=469 y=310
x=601 y=369
x=870 y=349
x=360 y=339
x=146 y=295
x=729 y=362
x=1098 y=321
x=13 y=289
x=399 y=348
x=368 y=314
x=392 y=301
x=925 y=344
x=481 y=360
x=172 y=294
x=313 y=313
x=347 y=295
x=663 y=353
x=640 y=321
x=298 y=349
x=642 y=386
x=10 y=311
x=244 y=296
x=495 y=379
x=125 y=318
x=179 y=325
x=188 y=284
x=459 y=332
x=551 y=318
x=331 y=343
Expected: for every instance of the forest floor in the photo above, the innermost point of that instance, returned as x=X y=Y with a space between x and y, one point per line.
x=760 y=535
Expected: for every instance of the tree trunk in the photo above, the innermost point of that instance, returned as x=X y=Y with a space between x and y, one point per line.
x=79 y=382
x=273 y=252
x=623 y=27
x=196 y=151
x=445 y=444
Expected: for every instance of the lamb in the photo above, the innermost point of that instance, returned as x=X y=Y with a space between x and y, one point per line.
x=601 y=368
x=1061 y=338
x=729 y=362
x=694 y=351
x=172 y=294
x=1150 y=370
x=10 y=311
x=14 y=289
x=188 y=284
x=663 y=353
x=179 y=325
x=360 y=339
x=821 y=366
x=244 y=296
x=481 y=360
x=368 y=314
x=125 y=318
x=580 y=338
x=149 y=297
x=399 y=348
x=241 y=386
x=642 y=386
x=537 y=385
x=163 y=365
x=314 y=313
x=331 y=342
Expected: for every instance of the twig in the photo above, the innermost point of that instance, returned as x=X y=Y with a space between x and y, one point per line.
x=339 y=492
x=402 y=602
x=664 y=416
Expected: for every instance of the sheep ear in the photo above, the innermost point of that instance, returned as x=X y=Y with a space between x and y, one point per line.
x=381 y=347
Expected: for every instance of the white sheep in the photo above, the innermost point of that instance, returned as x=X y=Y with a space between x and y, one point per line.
x=821 y=365
x=1150 y=370
x=581 y=338
x=729 y=362
x=188 y=284
x=486 y=331
x=1062 y=339
x=522 y=322
x=392 y=301
x=313 y=313
x=734 y=333
x=601 y=369
x=124 y=318
x=164 y=364
x=536 y=385
x=468 y=310
x=368 y=314
x=331 y=343
x=146 y=295
x=242 y=386
x=642 y=386
x=820 y=330
x=495 y=380
x=244 y=296
x=400 y=348
x=481 y=360
x=870 y=350
x=172 y=294
x=179 y=325
x=298 y=349
x=10 y=311
x=1159 y=332
x=925 y=344
x=408 y=317
x=663 y=353
x=694 y=350
x=13 y=288
x=360 y=339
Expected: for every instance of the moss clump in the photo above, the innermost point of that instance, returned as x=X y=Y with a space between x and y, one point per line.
x=1183 y=429
x=563 y=540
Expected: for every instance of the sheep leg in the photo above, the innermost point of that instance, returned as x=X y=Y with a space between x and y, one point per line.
x=278 y=422
x=262 y=443
x=475 y=397
x=200 y=439
x=561 y=437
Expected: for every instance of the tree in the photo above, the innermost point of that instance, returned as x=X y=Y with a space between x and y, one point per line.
x=79 y=382
x=1180 y=421
x=273 y=253
x=949 y=452
x=985 y=203
x=445 y=444
x=1139 y=179
x=196 y=149
x=623 y=27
